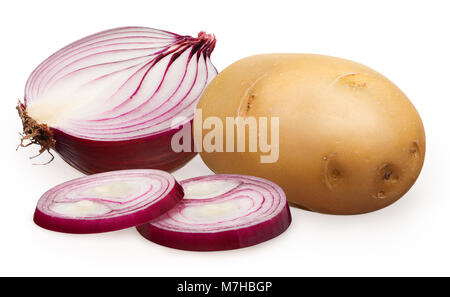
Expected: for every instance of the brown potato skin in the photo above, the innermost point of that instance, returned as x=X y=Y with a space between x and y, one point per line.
x=351 y=142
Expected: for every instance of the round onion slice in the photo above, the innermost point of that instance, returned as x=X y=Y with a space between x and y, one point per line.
x=108 y=201
x=222 y=212
x=108 y=101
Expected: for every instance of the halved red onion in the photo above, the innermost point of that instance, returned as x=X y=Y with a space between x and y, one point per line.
x=108 y=201
x=107 y=101
x=221 y=212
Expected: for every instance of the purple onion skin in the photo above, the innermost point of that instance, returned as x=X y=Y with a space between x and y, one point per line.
x=151 y=152
x=218 y=241
x=75 y=226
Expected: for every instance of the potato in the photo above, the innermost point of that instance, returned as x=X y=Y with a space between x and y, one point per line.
x=350 y=141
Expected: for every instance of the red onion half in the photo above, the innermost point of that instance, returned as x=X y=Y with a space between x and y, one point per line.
x=108 y=201
x=107 y=101
x=221 y=212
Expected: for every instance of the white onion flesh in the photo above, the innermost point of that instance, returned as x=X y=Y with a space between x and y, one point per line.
x=119 y=84
x=243 y=203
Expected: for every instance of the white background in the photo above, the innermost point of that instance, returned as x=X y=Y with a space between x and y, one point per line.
x=405 y=40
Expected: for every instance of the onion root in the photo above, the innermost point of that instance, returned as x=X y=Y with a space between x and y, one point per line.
x=35 y=133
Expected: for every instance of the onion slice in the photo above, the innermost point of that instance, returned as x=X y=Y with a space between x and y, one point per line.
x=222 y=212
x=108 y=101
x=108 y=201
